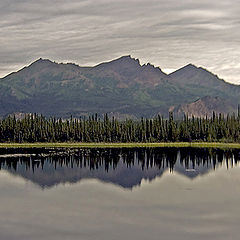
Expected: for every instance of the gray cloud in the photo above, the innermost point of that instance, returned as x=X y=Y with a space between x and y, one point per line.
x=168 y=34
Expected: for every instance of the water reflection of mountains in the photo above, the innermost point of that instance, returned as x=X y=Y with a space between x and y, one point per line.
x=123 y=167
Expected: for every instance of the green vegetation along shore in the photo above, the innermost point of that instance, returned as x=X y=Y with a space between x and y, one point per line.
x=120 y=145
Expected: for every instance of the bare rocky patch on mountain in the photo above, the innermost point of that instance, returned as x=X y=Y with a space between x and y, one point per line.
x=205 y=107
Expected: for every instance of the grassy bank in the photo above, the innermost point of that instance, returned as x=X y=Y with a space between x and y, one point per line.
x=119 y=145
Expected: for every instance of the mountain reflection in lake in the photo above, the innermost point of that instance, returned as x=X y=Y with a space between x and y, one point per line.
x=123 y=167
x=84 y=193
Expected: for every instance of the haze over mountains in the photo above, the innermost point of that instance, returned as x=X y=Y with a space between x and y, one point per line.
x=122 y=87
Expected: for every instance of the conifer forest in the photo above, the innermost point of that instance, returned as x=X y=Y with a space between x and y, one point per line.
x=37 y=128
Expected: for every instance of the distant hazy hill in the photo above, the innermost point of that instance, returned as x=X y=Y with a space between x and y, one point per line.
x=122 y=87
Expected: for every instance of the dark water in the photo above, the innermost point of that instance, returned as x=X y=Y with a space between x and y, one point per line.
x=116 y=194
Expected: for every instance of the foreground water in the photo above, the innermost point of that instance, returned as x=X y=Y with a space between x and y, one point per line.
x=119 y=194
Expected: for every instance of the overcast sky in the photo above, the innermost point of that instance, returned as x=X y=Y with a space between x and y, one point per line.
x=166 y=33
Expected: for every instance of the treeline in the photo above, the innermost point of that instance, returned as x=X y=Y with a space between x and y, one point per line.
x=36 y=128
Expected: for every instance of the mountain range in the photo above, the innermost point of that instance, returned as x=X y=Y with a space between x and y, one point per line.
x=122 y=87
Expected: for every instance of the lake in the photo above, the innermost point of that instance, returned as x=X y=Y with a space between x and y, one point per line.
x=116 y=194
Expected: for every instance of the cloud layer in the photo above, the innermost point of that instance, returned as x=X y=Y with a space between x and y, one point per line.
x=168 y=34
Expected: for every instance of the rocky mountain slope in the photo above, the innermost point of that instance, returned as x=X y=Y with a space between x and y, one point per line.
x=204 y=107
x=122 y=87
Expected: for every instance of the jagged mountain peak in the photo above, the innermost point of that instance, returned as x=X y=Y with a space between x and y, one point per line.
x=128 y=71
x=124 y=61
x=38 y=65
x=34 y=67
x=42 y=67
x=185 y=69
x=190 y=66
x=42 y=61
x=191 y=74
x=127 y=58
x=128 y=63
x=191 y=69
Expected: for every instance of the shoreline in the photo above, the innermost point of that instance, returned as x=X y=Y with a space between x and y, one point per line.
x=121 y=145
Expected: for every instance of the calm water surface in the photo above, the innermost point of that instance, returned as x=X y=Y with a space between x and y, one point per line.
x=116 y=194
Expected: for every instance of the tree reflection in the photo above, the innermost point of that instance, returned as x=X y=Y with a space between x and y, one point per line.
x=92 y=159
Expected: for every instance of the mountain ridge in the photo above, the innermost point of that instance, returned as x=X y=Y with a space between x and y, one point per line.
x=121 y=87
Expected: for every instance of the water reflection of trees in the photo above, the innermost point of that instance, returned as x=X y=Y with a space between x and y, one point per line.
x=92 y=159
